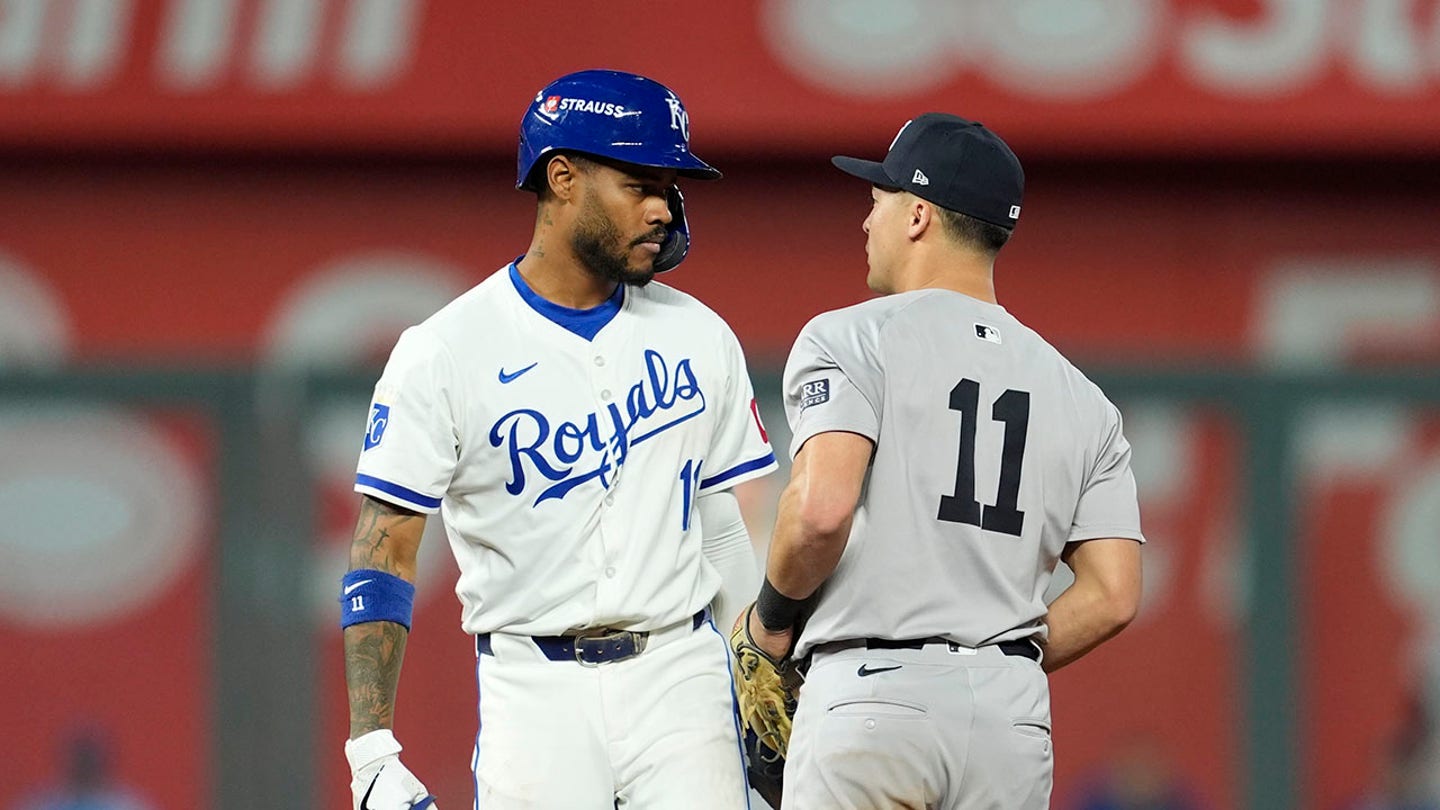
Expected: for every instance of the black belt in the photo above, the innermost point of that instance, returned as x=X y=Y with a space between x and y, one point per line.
x=592 y=647
x=1024 y=647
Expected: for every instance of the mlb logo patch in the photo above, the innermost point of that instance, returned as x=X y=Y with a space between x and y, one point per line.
x=814 y=393
x=989 y=333
x=375 y=431
x=551 y=105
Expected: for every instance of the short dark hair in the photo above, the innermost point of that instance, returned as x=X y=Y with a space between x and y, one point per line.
x=972 y=232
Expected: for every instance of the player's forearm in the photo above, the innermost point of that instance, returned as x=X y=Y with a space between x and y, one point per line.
x=816 y=510
x=374 y=652
x=1080 y=619
x=382 y=556
x=1102 y=600
x=807 y=543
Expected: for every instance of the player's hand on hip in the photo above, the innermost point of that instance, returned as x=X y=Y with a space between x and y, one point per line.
x=775 y=643
x=377 y=779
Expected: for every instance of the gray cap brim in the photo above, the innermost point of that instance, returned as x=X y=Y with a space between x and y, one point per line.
x=865 y=170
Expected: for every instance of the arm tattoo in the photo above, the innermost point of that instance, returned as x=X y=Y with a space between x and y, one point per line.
x=373 y=654
x=374 y=651
x=370 y=547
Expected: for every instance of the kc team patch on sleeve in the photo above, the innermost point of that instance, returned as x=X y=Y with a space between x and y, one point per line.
x=375 y=431
x=814 y=393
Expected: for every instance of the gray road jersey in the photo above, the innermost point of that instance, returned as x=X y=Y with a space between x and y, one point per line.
x=991 y=453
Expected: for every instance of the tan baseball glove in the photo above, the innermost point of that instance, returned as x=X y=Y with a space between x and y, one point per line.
x=768 y=692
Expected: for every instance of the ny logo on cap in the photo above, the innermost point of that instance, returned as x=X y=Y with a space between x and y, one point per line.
x=920 y=179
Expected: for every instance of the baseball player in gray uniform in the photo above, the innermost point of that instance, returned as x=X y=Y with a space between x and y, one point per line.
x=945 y=459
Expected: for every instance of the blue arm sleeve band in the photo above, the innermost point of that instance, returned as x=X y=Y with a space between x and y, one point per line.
x=368 y=595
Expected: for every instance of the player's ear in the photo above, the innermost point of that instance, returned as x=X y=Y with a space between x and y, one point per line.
x=561 y=173
x=920 y=216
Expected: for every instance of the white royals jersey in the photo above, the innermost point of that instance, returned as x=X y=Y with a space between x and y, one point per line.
x=566 y=450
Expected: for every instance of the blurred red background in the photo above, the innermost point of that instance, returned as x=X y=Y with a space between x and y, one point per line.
x=1209 y=184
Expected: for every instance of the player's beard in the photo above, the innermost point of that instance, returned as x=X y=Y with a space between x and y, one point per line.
x=602 y=248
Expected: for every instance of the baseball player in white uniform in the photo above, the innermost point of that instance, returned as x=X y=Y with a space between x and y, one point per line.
x=945 y=459
x=579 y=428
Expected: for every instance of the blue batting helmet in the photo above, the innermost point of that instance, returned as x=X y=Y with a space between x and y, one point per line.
x=622 y=117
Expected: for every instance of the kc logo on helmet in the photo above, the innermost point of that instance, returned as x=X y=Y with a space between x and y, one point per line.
x=679 y=119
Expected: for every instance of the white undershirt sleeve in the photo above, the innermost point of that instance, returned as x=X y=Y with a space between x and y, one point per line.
x=726 y=544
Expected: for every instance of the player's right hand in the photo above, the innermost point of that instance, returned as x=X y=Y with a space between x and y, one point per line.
x=377 y=779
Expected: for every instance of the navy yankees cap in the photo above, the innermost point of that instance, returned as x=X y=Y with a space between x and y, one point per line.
x=953 y=162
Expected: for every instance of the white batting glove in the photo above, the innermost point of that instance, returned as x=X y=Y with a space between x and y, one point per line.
x=377 y=779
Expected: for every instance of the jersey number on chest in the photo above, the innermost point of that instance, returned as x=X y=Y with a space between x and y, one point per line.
x=1013 y=409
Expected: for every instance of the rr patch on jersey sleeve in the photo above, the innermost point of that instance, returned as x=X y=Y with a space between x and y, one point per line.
x=814 y=393
x=375 y=431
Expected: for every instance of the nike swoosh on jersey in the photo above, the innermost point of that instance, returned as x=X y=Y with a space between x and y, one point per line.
x=509 y=378
x=352 y=586
x=866 y=669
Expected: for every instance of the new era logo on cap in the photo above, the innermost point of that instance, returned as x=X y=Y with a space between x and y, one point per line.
x=1014 y=212
x=920 y=179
